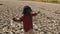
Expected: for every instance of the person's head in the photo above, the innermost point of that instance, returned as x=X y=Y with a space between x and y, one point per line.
x=27 y=9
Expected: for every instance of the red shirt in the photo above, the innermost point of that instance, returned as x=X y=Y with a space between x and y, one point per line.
x=27 y=21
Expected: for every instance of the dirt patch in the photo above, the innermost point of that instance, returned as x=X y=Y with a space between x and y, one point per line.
x=47 y=22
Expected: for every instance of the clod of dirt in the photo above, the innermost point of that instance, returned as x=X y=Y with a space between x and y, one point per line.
x=13 y=32
x=6 y=32
x=21 y=28
x=1 y=4
x=59 y=33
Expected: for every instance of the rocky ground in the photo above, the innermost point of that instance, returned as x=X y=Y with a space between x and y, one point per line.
x=47 y=22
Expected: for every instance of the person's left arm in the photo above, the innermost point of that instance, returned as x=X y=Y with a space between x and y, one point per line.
x=34 y=14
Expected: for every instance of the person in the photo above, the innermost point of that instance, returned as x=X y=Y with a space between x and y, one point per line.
x=26 y=18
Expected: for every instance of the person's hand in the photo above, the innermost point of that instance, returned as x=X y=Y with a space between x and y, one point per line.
x=16 y=20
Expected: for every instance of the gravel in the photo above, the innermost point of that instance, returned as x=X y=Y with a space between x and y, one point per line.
x=47 y=22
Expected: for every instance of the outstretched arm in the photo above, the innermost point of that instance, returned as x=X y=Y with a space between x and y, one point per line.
x=34 y=14
x=16 y=19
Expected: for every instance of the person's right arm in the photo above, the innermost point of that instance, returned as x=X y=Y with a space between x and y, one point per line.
x=16 y=19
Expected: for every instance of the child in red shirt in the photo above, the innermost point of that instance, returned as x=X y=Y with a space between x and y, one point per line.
x=27 y=19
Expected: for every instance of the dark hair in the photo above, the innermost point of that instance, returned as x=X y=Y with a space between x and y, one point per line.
x=26 y=9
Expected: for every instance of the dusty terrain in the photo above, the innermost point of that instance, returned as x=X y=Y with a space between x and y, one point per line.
x=47 y=22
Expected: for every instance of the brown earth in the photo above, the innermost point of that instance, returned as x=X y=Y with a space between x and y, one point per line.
x=47 y=22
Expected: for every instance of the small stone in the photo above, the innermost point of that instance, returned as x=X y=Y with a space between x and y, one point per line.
x=0 y=33
x=36 y=29
x=1 y=4
x=13 y=32
x=6 y=32
x=22 y=31
x=39 y=29
x=59 y=33
x=42 y=33
x=21 y=28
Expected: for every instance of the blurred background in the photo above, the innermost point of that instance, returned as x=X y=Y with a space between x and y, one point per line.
x=52 y=1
